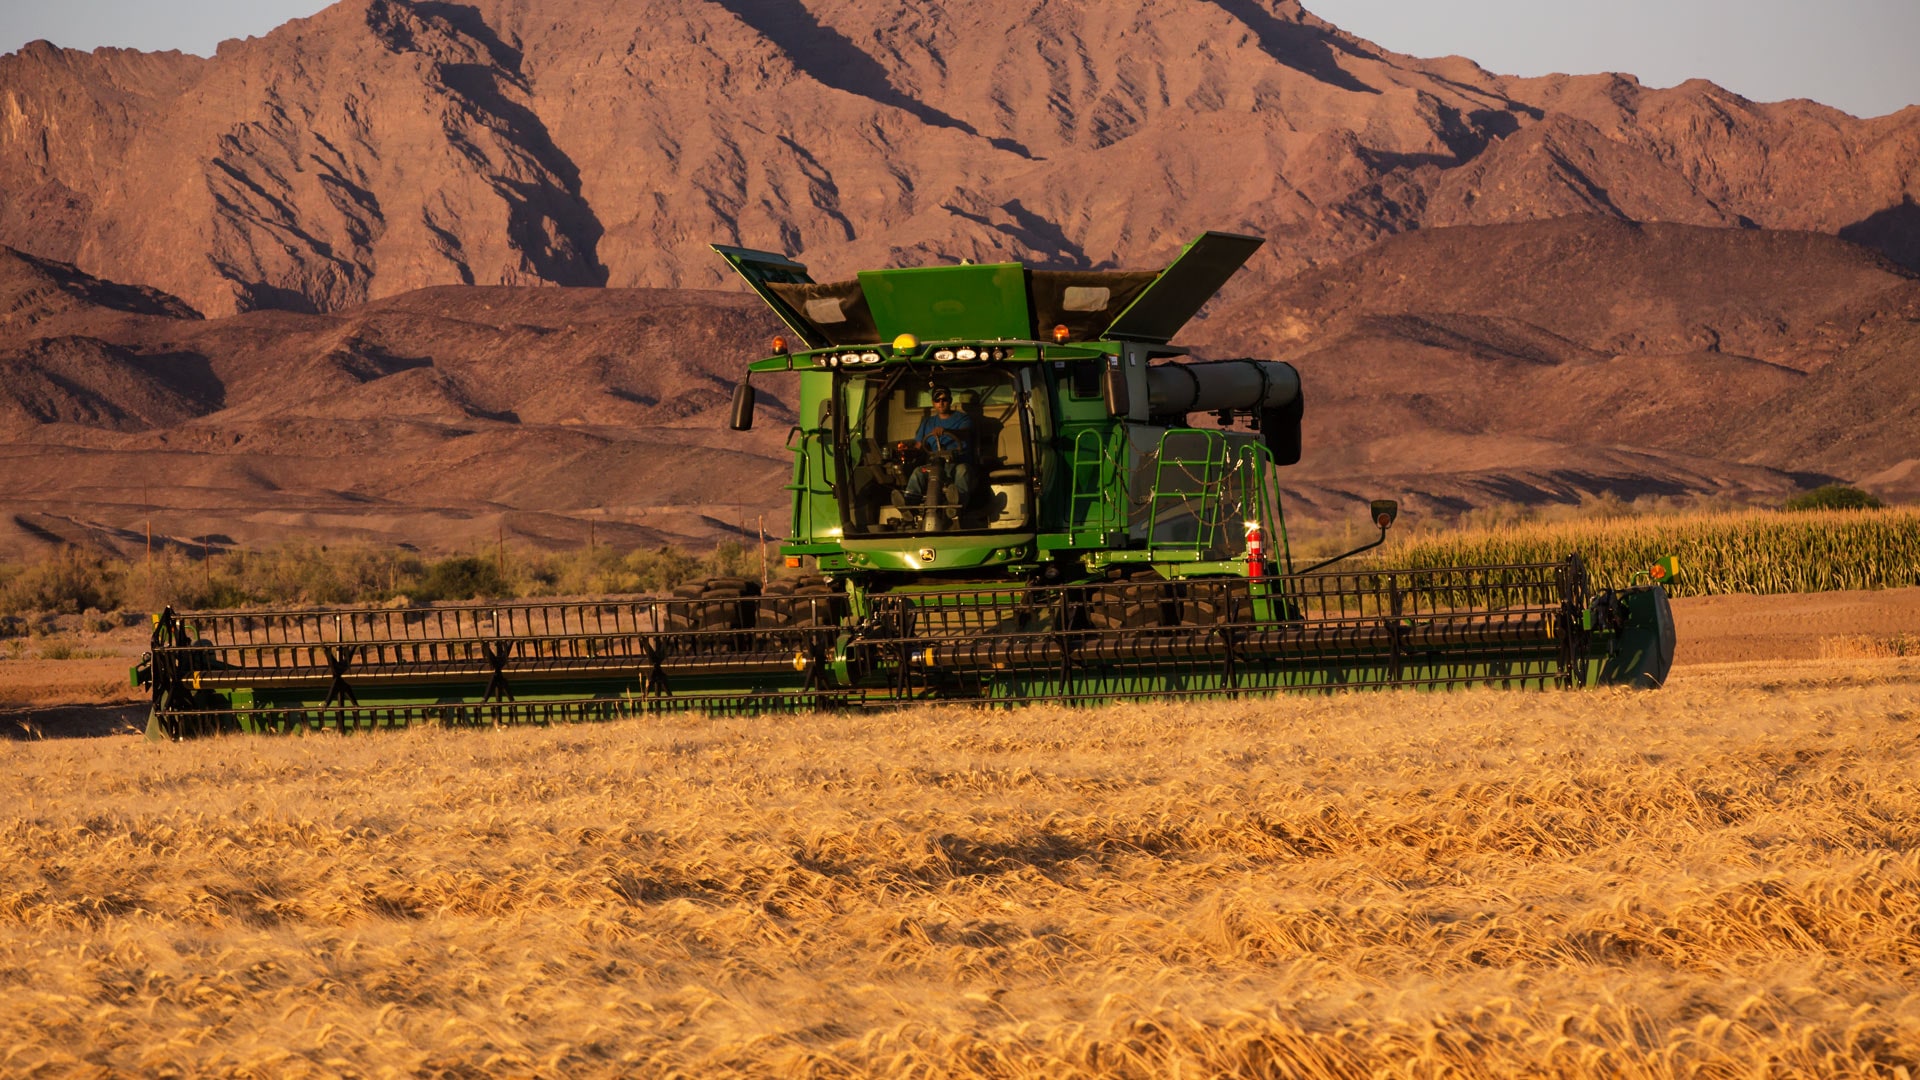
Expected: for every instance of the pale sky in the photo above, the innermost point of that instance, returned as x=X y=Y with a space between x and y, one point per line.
x=1858 y=55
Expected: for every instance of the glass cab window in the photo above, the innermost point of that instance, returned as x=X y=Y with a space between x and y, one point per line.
x=948 y=453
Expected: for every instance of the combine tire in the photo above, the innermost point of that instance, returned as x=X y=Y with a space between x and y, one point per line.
x=799 y=604
x=723 y=603
x=1142 y=600
x=1210 y=602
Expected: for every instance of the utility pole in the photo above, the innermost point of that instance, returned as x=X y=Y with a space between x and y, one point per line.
x=763 y=551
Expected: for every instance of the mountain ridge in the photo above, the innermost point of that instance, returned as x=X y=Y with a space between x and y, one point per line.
x=382 y=146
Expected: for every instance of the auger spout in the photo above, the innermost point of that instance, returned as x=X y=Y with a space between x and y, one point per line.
x=1221 y=385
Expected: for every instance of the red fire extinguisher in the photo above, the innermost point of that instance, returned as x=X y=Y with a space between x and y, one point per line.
x=1255 y=556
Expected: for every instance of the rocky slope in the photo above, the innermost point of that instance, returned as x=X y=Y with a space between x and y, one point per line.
x=445 y=418
x=1540 y=361
x=383 y=146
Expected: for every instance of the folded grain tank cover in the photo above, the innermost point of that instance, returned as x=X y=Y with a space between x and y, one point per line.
x=1183 y=288
x=1083 y=301
x=764 y=269
x=835 y=311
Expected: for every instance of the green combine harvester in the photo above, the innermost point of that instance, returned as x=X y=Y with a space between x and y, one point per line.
x=999 y=495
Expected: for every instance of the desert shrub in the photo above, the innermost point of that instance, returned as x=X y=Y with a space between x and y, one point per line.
x=602 y=571
x=174 y=580
x=68 y=582
x=734 y=559
x=298 y=574
x=282 y=575
x=642 y=570
x=309 y=574
x=462 y=577
x=1834 y=497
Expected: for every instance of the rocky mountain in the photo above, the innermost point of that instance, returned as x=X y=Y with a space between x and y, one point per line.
x=383 y=146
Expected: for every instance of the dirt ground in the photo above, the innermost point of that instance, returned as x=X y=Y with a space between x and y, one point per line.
x=88 y=694
x=1801 y=626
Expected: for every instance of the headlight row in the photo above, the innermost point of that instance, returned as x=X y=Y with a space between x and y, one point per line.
x=845 y=359
x=968 y=352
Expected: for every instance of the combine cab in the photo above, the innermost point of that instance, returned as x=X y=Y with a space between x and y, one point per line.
x=998 y=495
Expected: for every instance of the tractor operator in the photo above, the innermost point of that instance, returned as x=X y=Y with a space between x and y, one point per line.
x=949 y=433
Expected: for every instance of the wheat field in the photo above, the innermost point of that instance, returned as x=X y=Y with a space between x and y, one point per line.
x=1721 y=879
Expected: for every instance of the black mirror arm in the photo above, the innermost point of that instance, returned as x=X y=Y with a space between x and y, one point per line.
x=1347 y=555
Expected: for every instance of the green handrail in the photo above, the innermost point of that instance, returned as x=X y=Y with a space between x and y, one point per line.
x=1211 y=474
x=1096 y=469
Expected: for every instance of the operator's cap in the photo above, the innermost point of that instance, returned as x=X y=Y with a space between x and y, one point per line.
x=941 y=393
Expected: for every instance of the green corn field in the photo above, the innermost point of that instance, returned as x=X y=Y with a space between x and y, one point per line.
x=1742 y=552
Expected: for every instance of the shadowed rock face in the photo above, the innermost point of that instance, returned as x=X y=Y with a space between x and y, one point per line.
x=387 y=145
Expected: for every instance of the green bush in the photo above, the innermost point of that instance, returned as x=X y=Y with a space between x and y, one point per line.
x=1834 y=497
x=69 y=582
x=463 y=577
x=734 y=559
x=299 y=574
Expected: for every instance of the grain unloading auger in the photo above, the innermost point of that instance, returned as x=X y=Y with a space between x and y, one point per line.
x=1001 y=498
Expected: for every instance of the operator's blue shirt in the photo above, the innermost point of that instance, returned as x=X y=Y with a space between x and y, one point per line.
x=952 y=433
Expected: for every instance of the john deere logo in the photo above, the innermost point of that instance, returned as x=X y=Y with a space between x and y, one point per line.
x=927 y=554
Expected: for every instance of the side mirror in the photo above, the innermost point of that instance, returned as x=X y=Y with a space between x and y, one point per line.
x=1113 y=388
x=1384 y=511
x=743 y=406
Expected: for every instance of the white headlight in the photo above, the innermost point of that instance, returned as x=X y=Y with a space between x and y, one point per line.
x=964 y=354
x=869 y=357
x=943 y=355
